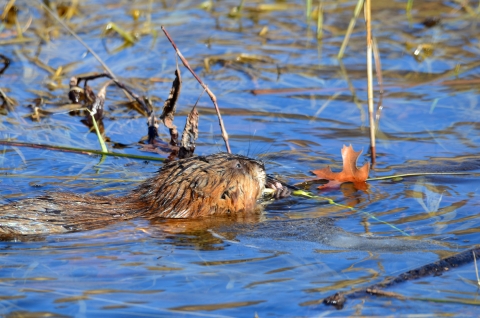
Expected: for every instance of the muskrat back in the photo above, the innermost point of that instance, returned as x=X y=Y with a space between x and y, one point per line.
x=215 y=185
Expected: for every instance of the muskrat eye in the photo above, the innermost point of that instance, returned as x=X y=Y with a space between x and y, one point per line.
x=238 y=165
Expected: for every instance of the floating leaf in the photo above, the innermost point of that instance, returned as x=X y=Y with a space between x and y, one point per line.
x=350 y=172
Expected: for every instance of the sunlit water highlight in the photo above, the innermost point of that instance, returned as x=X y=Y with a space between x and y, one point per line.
x=429 y=123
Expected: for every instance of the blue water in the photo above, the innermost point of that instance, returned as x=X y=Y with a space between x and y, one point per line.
x=142 y=268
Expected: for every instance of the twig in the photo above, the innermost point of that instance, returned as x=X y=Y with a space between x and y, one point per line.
x=431 y=269
x=209 y=92
x=370 y=79
x=6 y=101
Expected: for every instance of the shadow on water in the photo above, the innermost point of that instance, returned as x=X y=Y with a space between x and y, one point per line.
x=285 y=98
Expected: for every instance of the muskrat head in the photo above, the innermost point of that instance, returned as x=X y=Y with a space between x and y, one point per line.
x=219 y=184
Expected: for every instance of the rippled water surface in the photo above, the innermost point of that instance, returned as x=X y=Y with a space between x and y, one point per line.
x=285 y=98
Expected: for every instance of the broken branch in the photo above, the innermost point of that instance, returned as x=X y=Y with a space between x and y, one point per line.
x=209 y=92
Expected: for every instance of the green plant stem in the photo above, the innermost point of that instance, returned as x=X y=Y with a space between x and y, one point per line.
x=97 y=131
x=420 y=174
x=408 y=10
x=320 y=20
x=124 y=34
x=71 y=178
x=302 y=193
x=78 y=150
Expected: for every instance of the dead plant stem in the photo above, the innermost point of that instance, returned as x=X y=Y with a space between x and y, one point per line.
x=370 y=80
x=209 y=92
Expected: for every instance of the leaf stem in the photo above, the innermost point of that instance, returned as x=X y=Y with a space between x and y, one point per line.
x=302 y=193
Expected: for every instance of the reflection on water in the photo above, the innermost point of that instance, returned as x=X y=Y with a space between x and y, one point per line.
x=284 y=98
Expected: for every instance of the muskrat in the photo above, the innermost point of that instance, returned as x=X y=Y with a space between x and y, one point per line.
x=221 y=184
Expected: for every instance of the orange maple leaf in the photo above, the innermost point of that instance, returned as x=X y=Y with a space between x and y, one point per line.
x=350 y=172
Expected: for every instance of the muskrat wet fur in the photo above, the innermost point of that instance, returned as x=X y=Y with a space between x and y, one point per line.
x=216 y=185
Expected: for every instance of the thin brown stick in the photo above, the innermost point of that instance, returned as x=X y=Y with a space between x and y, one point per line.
x=209 y=92
x=432 y=269
x=370 y=80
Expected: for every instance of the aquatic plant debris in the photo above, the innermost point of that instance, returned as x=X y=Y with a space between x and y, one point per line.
x=190 y=135
x=350 y=172
x=170 y=106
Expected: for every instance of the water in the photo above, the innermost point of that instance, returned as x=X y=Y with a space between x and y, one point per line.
x=300 y=116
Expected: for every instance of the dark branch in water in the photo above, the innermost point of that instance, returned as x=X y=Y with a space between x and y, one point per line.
x=432 y=269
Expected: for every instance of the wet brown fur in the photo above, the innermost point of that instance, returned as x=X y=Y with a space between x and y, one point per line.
x=215 y=185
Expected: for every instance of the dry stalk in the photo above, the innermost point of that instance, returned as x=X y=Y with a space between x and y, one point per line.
x=370 y=79
x=209 y=92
